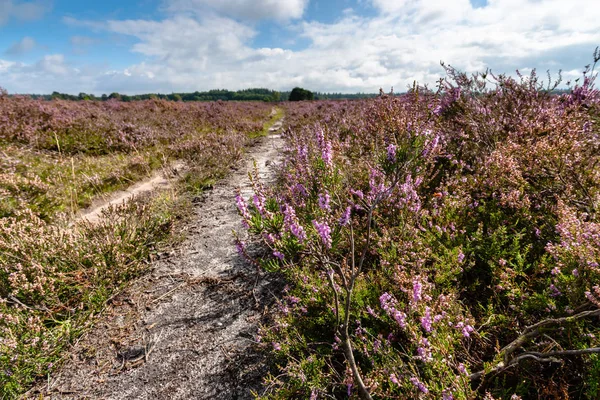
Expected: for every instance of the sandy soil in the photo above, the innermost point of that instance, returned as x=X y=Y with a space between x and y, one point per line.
x=160 y=180
x=187 y=329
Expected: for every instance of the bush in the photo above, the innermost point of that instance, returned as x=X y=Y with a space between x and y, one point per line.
x=299 y=94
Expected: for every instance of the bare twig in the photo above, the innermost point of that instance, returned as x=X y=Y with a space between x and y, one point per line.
x=531 y=332
x=550 y=356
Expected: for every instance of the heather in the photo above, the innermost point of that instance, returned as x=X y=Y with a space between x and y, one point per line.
x=57 y=157
x=440 y=244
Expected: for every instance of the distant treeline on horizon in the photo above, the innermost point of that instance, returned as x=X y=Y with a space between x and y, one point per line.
x=256 y=94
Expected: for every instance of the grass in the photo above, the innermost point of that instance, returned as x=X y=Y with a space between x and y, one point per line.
x=55 y=276
x=274 y=117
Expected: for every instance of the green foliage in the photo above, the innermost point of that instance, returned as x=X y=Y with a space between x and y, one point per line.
x=299 y=94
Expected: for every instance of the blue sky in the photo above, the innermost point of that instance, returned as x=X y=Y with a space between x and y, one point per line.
x=141 y=46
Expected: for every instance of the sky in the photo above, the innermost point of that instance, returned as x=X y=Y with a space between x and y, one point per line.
x=348 y=46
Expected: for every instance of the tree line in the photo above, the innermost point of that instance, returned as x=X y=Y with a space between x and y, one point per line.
x=254 y=94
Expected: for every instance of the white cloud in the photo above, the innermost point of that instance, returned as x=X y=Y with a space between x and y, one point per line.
x=242 y=9
x=23 y=11
x=22 y=46
x=82 y=41
x=405 y=42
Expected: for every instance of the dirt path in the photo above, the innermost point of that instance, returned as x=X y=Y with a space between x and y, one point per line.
x=157 y=181
x=187 y=330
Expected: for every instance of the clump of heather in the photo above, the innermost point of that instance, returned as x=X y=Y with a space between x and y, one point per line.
x=438 y=244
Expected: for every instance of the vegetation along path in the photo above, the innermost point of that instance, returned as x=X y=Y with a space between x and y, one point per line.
x=186 y=329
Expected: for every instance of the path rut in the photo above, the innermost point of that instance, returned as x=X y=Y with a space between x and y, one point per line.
x=187 y=330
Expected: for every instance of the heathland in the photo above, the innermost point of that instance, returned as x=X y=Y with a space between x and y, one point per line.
x=440 y=244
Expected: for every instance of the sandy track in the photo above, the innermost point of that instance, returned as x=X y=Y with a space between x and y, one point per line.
x=185 y=331
x=157 y=181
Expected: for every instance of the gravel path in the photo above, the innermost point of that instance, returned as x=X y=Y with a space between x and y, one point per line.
x=185 y=331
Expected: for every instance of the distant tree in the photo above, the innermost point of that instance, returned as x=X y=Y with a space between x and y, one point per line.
x=115 y=95
x=177 y=97
x=276 y=96
x=299 y=94
x=104 y=97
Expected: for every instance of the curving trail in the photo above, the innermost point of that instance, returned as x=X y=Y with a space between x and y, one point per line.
x=187 y=329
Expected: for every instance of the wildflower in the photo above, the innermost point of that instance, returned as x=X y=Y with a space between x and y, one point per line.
x=278 y=254
x=324 y=232
x=291 y=223
x=241 y=205
x=426 y=320
x=417 y=290
x=554 y=292
x=394 y=379
x=388 y=304
x=466 y=330
x=324 y=201
x=391 y=152
x=419 y=385
x=357 y=193
x=461 y=257
x=447 y=395
x=345 y=217
x=276 y=346
x=327 y=154
x=371 y=312
x=259 y=203
x=462 y=369
x=241 y=248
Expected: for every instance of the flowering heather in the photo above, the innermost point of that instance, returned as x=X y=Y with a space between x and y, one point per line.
x=324 y=232
x=462 y=242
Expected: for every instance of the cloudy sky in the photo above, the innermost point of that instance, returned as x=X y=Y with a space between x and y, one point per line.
x=141 y=46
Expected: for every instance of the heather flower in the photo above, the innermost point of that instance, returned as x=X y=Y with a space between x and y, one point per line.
x=357 y=193
x=243 y=208
x=419 y=385
x=259 y=203
x=388 y=303
x=324 y=232
x=461 y=257
x=391 y=152
x=241 y=248
x=417 y=290
x=462 y=369
x=276 y=346
x=324 y=201
x=554 y=292
x=327 y=154
x=278 y=254
x=426 y=320
x=346 y=216
x=291 y=223
x=371 y=312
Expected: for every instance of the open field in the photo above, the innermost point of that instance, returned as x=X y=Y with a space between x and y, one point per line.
x=56 y=159
x=437 y=245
